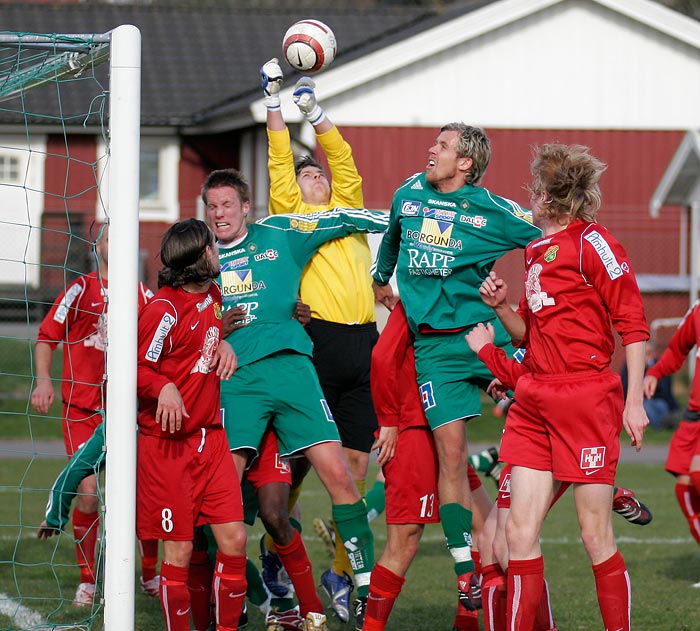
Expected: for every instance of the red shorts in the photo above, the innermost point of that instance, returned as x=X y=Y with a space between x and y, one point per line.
x=567 y=424
x=185 y=483
x=268 y=467
x=78 y=426
x=411 y=486
x=684 y=444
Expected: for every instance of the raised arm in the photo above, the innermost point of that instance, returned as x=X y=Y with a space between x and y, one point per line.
x=494 y=292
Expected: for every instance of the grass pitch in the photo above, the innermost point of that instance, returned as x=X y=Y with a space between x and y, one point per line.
x=662 y=559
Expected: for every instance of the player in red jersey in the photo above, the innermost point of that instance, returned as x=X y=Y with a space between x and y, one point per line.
x=78 y=321
x=185 y=475
x=684 y=449
x=570 y=412
x=409 y=461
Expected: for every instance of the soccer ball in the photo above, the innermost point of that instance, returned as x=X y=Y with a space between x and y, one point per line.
x=309 y=46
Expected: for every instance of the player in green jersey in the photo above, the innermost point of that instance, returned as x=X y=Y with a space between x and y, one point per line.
x=261 y=266
x=445 y=233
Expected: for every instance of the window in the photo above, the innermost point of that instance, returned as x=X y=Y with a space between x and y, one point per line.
x=9 y=169
x=158 y=179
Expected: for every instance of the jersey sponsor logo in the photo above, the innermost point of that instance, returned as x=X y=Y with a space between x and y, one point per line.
x=436 y=233
x=303 y=225
x=426 y=395
x=409 y=208
x=239 y=282
x=201 y=306
x=235 y=264
x=592 y=459
x=71 y=294
x=154 y=350
x=478 y=221
x=442 y=202
x=217 y=310
x=327 y=411
x=267 y=255
x=206 y=355
x=429 y=263
x=417 y=186
x=439 y=214
x=536 y=298
x=604 y=251
x=551 y=253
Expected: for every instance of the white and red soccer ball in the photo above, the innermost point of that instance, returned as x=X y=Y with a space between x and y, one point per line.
x=309 y=46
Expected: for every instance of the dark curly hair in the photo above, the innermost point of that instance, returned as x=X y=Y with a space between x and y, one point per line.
x=183 y=253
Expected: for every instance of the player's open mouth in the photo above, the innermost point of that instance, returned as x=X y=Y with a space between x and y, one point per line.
x=222 y=225
x=431 y=163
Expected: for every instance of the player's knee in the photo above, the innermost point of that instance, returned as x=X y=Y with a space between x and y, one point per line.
x=598 y=542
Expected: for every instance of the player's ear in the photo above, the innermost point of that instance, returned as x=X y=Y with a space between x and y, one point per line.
x=246 y=208
x=465 y=164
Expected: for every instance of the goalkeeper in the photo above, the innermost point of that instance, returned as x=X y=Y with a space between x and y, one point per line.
x=336 y=283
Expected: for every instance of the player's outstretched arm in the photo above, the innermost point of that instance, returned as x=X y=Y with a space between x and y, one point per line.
x=271 y=78
x=305 y=99
x=494 y=293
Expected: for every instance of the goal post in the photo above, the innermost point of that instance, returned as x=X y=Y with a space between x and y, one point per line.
x=38 y=68
x=120 y=486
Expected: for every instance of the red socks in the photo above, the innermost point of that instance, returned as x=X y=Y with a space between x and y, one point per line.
x=493 y=597
x=525 y=585
x=229 y=590
x=296 y=561
x=174 y=597
x=544 y=620
x=384 y=589
x=199 y=580
x=689 y=501
x=612 y=582
x=148 y=550
x=85 y=527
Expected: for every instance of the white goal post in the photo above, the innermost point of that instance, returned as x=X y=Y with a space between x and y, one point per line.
x=120 y=485
x=69 y=56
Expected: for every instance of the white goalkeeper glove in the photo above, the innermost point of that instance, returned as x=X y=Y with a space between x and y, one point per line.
x=272 y=78
x=305 y=100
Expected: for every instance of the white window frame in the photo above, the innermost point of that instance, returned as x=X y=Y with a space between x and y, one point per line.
x=166 y=207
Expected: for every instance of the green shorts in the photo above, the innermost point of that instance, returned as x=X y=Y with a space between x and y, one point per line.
x=281 y=390
x=450 y=375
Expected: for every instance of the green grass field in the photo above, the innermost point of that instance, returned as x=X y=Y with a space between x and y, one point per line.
x=38 y=578
x=662 y=559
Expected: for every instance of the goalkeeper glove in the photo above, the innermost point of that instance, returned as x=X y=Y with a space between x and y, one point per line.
x=272 y=77
x=305 y=99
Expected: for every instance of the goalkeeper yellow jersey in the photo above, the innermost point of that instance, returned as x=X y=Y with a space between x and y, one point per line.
x=336 y=283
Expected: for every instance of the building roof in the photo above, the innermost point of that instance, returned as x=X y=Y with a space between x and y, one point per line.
x=200 y=59
x=680 y=183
